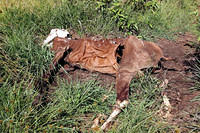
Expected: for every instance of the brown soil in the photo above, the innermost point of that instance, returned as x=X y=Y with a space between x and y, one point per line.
x=179 y=75
x=84 y=75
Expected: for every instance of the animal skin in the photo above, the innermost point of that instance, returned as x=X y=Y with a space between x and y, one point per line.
x=123 y=58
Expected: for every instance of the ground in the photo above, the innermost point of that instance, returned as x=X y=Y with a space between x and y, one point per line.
x=177 y=72
x=179 y=76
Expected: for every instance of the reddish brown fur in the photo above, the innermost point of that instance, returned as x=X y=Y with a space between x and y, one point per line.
x=137 y=55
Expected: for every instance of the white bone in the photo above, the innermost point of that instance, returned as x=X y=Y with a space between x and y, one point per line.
x=50 y=37
x=116 y=111
x=96 y=121
x=122 y=104
x=62 y=33
x=111 y=118
x=166 y=101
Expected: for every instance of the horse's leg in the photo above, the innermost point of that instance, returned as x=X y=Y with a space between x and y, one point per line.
x=123 y=80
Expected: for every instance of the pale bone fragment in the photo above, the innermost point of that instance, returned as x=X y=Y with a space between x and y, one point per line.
x=116 y=111
x=164 y=84
x=96 y=122
x=167 y=107
x=166 y=101
x=62 y=33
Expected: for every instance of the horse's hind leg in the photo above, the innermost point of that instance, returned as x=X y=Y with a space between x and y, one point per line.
x=123 y=80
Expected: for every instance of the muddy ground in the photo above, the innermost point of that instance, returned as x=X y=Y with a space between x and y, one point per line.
x=184 y=114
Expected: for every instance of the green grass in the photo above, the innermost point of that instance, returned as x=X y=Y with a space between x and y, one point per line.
x=171 y=17
x=72 y=102
x=23 y=27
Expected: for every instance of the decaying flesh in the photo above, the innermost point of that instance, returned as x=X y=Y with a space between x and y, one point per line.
x=123 y=58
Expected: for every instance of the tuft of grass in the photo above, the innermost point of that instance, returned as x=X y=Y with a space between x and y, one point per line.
x=196 y=70
x=66 y=112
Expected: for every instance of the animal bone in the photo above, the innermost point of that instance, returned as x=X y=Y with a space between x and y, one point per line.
x=62 y=33
x=119 y=106
x=96 y=122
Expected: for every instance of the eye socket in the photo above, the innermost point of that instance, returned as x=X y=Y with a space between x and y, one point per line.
x=69 y=36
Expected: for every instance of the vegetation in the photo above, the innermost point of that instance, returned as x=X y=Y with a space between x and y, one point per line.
x=25 y=24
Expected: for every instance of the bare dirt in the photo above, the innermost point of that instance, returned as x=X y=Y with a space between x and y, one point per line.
x=179 y=74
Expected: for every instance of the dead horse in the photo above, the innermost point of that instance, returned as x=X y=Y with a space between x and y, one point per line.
x=123 y=58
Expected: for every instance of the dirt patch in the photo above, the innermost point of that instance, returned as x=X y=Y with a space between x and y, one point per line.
x=84 y=75
x=179 y=75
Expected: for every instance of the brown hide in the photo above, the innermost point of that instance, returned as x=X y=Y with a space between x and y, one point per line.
x=92 y=55
x=60 y=45
x=137 y=55
x=102 y=55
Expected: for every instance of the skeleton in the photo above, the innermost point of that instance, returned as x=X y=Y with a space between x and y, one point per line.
x=101 y=56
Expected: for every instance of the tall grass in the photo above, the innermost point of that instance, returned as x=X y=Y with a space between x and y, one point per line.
x=64 y=113
x=171 y=17
x=24 y=25
x=73 y=105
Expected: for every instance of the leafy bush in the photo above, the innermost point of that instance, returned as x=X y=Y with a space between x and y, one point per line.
x=122 y=12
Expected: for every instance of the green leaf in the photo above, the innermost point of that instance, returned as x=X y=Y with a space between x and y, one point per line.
x=198 y=39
